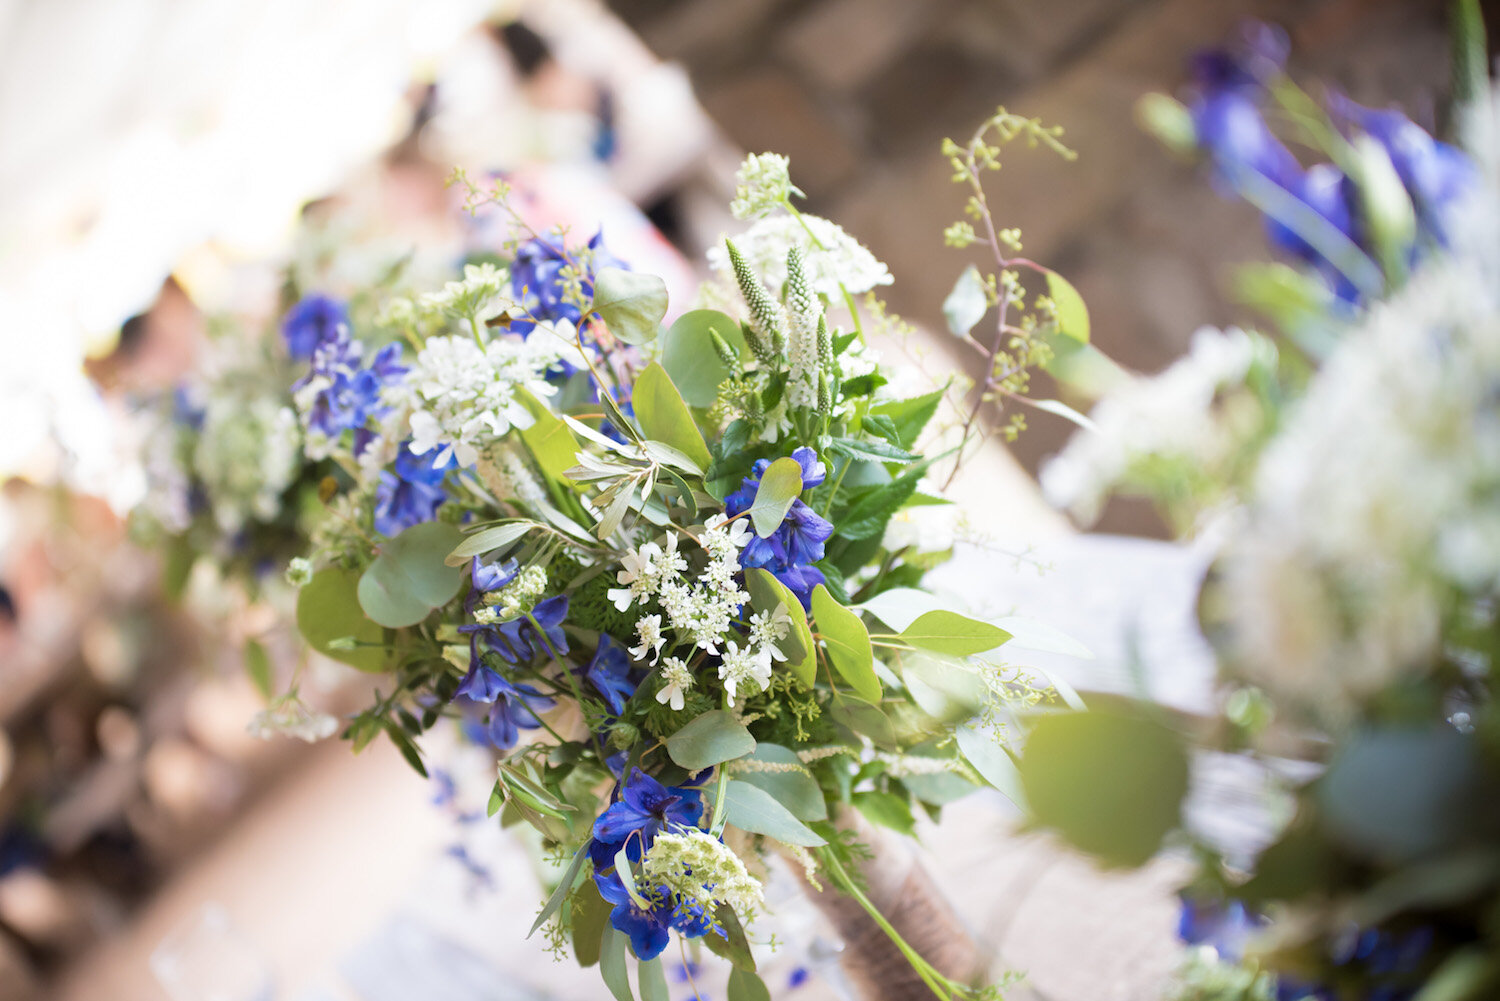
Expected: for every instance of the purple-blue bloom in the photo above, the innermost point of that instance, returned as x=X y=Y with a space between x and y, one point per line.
x=609 y=672
x=646 y=806
x=647 y=928
x=315 y=319
x=499 y=725
x=536 y=283
x=798 y=541
x=492 y=576
x=410 y=495
x=348 y=394
x=518 y=640
x=1226 y=926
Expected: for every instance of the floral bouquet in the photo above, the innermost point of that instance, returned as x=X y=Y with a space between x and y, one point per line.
x=650 y=568
x=1345 y=474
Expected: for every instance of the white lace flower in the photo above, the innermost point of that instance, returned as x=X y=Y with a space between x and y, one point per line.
x=764 y=185
x=638 y=576
x=747 y=670
x=703 y=871
x=829 y=255
x=648 y=628
x=676 y=681
x=479 y=295
x=724 y=538
x=767 y=629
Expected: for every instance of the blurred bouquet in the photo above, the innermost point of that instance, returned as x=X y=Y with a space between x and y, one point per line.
x=1348 y=476
x=650 y=568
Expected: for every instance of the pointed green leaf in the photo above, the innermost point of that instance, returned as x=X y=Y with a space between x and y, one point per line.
x=967 y=303
x=734 y=946
x=1072 y=313
x=848 y=644
x=767 y=593
x=630 y=303
x=665 y=417
x=745 y=985
x=689 y=357
x=411 y=576
x=780 y=485
x=988 y=756
x=886 y=809
x=328 y=610
x=564 y=887
x=548 y=440
x=709 y=739
x=756 y=811
x=590 y=918
x=258 y=667
x=653 y=980
x=612 y=963
x=949 y=632
x=791 y=783
x=487 y=540
x=910 y=416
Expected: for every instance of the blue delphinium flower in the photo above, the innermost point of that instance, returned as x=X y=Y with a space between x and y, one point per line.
x=798 y=541
x=609 y=672
x=315 y=319
x=345 y=393
x=498 y=722
x=519 y=641
x=536 y=282
x=646 y=807
x=410 y=495
x=648 y=928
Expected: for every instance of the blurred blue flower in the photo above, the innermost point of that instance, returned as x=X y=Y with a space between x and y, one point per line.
x=648 y=928
x=491 y=576
x=313 y=320
x=536 y=281
x=348 y=394
x=609 y=672
x=412 y=494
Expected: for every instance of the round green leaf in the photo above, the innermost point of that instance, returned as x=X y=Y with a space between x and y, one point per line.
x=631 y=304
x=411 y=577
x=689 y=357
x=665 y=417
x=1111 y=784
x=780 y=485
x=848 y=644
x=746 y=986
x=790 y=783
x=328 y=609
x=709 y=739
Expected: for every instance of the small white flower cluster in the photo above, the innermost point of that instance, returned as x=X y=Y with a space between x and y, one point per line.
x=478 y=296
x=698 y=611
x=703 y=872
x=289 y=716
x=1166 y=415
x=514 y=598
x=247 y=454
x=466 y=397
x=764 y=185
x=833 y=260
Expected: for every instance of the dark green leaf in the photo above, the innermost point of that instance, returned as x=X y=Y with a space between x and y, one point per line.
x=791 y=784
x=733 y=946
x=909 y=416
x=631 y=304
x=406 y=747
x=709 y=739
x=872 y=451
x=745 y=985
x=590 y=918
x=564 y=887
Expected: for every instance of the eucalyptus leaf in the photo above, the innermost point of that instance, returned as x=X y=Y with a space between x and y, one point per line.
x=590 y=918
x=886 y=809
x=328 y=610
x=487 y=540
x=664 y=416
x=564 y=887
x=790 y=782
x=734 y=946
x=864 y=718
x=945 y=687
x=627 y=879
x=767 y=593
x=756 y=811
x=652 y=979
x=848 y=644
x=966 y=303
x=745 y=985
x=631 y=304
x=689 y=356
x=612 y=965
x=411 y=576
x=780 y=485
x=951 y=633
x=709 y=739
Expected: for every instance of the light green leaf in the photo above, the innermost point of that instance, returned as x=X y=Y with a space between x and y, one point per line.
x=967 y=303
x=944 y=687
x=767 y=593
x=627 y=879
x=548 y=440
x=1064 y=411
x=653 y=980
x=848 y=644
x=564 y=887
x=630 y=303
x=664 y=415
x=258 y=667
x=864 y=718
x=709 y=739
x=949 y=632
x=411 y=577
x=985 y=752
x=488 y=540
x=1169 y=120
x=612 y=966
x=792 y=784
x=756 y=811
x=1072 y=313
x=886 y=809
x=779 y=487
x=745 y=985
x=328 y=609
x=689 y=357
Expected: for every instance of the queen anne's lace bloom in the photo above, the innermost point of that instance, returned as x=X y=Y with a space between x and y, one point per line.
x=744 y=671
x=703 y=871
x=829 y=255
x=677 y=680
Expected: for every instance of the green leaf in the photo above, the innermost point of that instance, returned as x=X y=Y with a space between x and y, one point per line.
x=406 y=746
x=944 y=687
x=866 y=518
x=328 y=609
x=871 y=451
x=1169 y=121
x=745 y=985
x=258 y=667
x=590 y=918
x=793 y=786
x=1072 y=313
x=863 y=718
x=848 y=644
x=689 y=357
x=564 y=887
x=664 y=415
x=612 y=963
x=630 y=303
x=886 y=809
x=627 y=879
x=949 y=632
x=1470 y=55
x=1466 y=975
x=1389 y=219
x=780 y=485
x=766 y=592
x=967 y=303
x=756 y=811
x=653 y=980
x=411 y=576
x=734 y=946
x=488 y=540
x=989 y=758
x=910 y=416
x=899 y=607
x=548 y=440
x=497 y=800
x=709 y=739
x=1111 y=784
